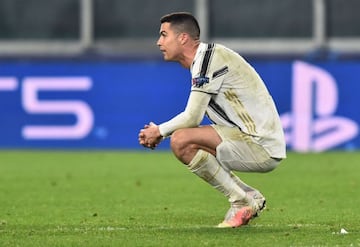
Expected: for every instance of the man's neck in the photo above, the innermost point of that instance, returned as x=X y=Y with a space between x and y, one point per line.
x=189 y=55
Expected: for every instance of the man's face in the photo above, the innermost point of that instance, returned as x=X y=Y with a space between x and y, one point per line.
x=168 y=42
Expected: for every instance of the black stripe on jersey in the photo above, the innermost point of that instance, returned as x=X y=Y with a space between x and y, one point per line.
x=220 y=112
x=206 y=60
x=220 y=72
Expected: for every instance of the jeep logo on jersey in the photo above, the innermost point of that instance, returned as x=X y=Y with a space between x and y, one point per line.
x=200 y=81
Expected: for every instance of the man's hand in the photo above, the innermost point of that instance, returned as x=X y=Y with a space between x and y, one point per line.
x=150 y=136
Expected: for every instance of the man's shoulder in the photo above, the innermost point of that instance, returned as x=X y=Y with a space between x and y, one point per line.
x=209 y=49
x=210 y=46
x=216 y=48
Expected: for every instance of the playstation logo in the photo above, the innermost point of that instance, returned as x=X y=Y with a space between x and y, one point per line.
x=312 y=125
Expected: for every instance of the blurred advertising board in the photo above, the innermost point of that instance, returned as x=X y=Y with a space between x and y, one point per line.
x=103 y=104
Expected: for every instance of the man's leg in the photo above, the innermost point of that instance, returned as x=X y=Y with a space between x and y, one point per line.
x=239 y=152
x=251 y=192
x=195 y=148
x=186 y=142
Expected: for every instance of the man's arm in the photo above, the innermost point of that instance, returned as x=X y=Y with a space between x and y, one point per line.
x=192 y=116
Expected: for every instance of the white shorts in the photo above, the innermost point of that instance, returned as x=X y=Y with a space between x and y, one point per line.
x=239 y=152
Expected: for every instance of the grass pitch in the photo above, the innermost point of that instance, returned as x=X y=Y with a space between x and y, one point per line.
x=149 y=199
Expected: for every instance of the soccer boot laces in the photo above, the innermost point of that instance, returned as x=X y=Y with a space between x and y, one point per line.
x=259 y=200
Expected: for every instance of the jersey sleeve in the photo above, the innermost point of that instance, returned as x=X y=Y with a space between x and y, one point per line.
x=208 y=72
x=190 y=117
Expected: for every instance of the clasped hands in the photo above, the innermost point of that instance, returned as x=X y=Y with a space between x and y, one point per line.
x=150 y=136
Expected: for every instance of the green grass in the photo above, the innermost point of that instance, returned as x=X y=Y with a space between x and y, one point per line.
x=150 y=199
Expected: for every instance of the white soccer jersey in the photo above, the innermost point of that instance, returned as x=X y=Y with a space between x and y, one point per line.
x=232 y=94
x=239 y=96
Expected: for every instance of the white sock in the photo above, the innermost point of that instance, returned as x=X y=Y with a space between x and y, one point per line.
x=206 y=166
x=242 y=185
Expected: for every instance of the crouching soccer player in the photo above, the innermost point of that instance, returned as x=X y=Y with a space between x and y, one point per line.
x=246 y=134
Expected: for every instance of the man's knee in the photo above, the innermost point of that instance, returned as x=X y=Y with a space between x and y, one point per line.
x=177 y=141
x=181 y=146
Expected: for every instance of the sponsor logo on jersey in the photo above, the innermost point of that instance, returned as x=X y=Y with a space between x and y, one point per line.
x=200 y=81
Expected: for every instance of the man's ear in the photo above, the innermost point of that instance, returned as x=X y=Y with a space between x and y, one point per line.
x=183 y=38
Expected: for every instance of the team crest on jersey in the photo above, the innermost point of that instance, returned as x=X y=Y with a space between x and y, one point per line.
x=200 y=81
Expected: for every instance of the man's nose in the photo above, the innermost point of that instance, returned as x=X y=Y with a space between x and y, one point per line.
x=158 y=42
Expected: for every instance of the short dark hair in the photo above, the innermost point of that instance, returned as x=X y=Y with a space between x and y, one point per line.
x=183 y=22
